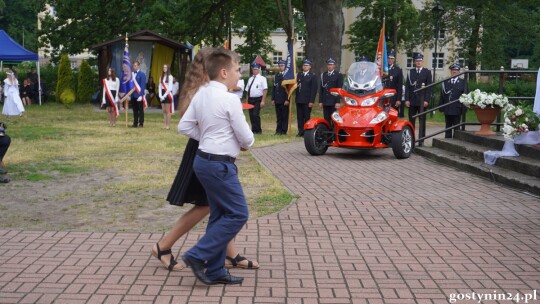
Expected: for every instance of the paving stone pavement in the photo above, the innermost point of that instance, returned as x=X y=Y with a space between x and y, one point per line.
x=366 y=228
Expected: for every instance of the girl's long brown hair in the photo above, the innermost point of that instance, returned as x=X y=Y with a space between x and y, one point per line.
x=195 y=78
x=113 y=75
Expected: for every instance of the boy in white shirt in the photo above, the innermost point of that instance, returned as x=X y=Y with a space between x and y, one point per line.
x=216 y=120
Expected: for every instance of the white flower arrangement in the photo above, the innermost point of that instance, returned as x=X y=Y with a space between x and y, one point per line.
x=519 y=120
x=483 y=100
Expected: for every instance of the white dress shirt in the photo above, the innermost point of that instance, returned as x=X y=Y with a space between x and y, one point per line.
x=259 y=85
x=215 y=118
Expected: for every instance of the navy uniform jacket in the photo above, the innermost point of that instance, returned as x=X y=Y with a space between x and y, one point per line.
x=328 y=82
x=415 y=81
x=279 y=94
x=307 y=87
x=141 y=80
x=395 y=81
x=450 y=92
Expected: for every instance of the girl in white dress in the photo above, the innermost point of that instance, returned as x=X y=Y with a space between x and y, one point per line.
x=13 y=105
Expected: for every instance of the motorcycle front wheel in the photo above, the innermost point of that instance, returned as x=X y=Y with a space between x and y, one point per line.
x=403 y=143
x=316 y=139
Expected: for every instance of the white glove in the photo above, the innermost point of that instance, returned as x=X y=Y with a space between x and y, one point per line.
x=139 y=99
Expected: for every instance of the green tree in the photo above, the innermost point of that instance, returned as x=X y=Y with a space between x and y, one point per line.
x=86 y=84
x=401 y=26
x=74 y=25
x=489 y=33
x=18 y=19
x=64 y=80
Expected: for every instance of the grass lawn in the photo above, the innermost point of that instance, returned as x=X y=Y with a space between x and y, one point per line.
x=71 y=171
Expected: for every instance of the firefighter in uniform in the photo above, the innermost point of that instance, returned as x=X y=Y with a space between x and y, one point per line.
x=330 y=79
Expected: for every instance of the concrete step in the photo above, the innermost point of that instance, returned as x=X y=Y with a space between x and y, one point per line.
x=521 y=164
x=496 y=143
x=470 y=163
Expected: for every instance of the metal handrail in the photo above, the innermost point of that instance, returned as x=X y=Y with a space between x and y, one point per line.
x=422 y=136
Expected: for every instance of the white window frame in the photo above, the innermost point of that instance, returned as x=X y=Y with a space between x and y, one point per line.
x=409 y=61
x=276 y=56
x=438 y=59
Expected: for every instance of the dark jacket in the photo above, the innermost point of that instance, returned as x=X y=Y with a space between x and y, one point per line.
x=414 y=82
x=279 y=94
x=450 y=92
x=328 y=82
x=395 y=81
x=307 y=87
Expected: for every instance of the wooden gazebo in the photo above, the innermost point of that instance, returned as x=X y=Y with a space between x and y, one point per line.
x=150 y=49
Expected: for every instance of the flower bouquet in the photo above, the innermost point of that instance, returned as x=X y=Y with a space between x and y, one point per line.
x=519 y=120
x=483 y=99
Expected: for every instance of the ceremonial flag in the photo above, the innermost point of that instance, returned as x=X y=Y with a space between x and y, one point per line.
x=126 y=83
x=289 y=75
x=381 y=58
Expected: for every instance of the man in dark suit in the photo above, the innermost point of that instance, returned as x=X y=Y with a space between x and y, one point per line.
x=305 y=95
x=330 y=79
x=137 y=97
x=395 y=81
x=280 y=100
x=451 y=90
x=416 y=79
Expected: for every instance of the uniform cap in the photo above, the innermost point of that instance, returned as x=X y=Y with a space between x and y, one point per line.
x=363 y=59
x=455 y=66
x=392 y=54
x=307 y=61
x=255 y=66
x=281 y=61
x=418 y=56
x=330 y=61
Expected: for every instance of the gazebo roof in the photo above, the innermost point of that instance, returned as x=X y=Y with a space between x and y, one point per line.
x=144 y=35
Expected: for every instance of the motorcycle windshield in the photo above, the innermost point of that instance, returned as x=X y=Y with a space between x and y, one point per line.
x=364 y=76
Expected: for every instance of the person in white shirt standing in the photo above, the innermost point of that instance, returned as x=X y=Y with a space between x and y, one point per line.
x=111 y=86
x=165 y=95
x=216 y=120
x=256 y=89
x=239 y=89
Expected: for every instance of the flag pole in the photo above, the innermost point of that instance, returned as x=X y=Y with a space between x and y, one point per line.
x=126 y=105
x=293 y=56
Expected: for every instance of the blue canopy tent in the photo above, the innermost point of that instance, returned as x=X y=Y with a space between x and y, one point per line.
x=11 y=51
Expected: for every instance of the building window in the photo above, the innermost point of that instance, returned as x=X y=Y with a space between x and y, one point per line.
x=441 y=34
x=438 y=60
x=300 y=38
x=461 y=58
x=410 y=61
x=300 y=55
x=277 y=56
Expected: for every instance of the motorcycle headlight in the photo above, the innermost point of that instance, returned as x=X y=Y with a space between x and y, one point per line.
x=368 y=102
x=380 y=117
x=336 y=117
x=351 y=101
